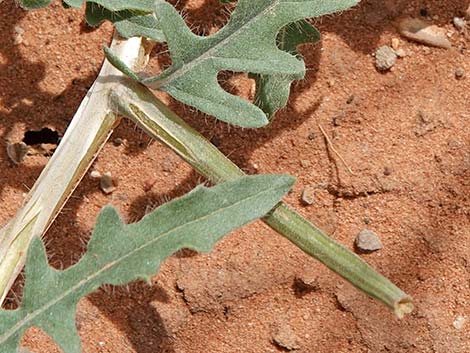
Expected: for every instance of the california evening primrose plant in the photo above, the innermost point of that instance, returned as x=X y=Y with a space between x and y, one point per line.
x=260 y=39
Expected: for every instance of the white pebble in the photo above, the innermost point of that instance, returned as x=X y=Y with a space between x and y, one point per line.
x=459 y=322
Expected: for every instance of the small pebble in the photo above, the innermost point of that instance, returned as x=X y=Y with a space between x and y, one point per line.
x=459 y=322
x=459 y=73
x=387 y=171
x=455 y=144
x=19 y=30
x=307 y=197
x=149 y=183
x=305 y=163
x=95 y=174
x=285 y=338
x=18 y=37
x=401 y=53
x=107 y=183
x=395 y=43
x=423 y=32
x=385 y=58
x=311 y=136
x=118 y=141
x=216 y=141
x=459 y=23
x=306 y=282
x=367 y=240
x=17 y=151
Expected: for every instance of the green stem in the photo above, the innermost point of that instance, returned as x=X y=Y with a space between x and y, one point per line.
x=140 y=105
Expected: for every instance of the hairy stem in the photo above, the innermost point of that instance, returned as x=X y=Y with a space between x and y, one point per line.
x=140 y=105
x=88 y=132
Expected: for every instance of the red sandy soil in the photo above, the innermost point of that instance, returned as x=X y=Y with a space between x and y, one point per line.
x=404 y=133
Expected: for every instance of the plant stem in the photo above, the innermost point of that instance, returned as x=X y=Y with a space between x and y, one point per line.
x=89 y=130
x=140 y=105
x=87 y=133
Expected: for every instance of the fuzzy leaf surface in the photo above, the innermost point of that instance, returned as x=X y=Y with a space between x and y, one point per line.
x=272 y=91
x=119 y=253
x=33 y=4
x=112 y=5
x=117 y=5
x=131 y=18
x=246 y=44
x=128 y=23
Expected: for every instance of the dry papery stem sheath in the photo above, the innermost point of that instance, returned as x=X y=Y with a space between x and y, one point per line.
x=86 y=135
x=139 y=104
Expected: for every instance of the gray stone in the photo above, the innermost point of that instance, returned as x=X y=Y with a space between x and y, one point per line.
x=285 y=337
x=459 y=322
x=17 y=151
x=459 y=73
x=307 y=197
x=385 y=58
x=107 y=183
x=367 y=240
x=459 y=23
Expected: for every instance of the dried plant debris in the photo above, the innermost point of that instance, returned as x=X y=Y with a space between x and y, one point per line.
x=17 y=151
x=423 y=32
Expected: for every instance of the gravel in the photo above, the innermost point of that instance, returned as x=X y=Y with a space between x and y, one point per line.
x=285 y=338
x=307 y=197
x=459 y=73
x=367 y=240
x=385 y=58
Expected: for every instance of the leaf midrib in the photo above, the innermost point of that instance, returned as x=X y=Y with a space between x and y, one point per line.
x=31 y=316
x=156 y=83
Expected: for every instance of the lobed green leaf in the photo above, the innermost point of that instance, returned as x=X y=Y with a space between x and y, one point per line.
x=131 y=18
x=112 y=5
x=117 y=5
x=246 y=44
x=119 y=253
x=272 y=91
x=128 y=23
x=33 y=4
